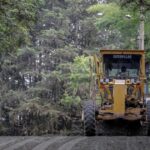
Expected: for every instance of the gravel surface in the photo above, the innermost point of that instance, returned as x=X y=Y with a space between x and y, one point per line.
x=75 y=143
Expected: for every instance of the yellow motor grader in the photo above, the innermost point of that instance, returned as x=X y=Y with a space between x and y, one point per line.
x=119 y=81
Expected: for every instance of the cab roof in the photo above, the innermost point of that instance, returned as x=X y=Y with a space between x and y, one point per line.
x=128 y=52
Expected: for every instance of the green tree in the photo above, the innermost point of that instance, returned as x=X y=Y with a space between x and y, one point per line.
x=119 y=25
x=16 y=20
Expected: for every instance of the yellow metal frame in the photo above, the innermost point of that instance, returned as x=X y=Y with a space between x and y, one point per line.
x=118 y=107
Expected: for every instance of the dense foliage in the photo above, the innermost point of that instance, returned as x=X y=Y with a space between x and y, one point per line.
x=44 y=57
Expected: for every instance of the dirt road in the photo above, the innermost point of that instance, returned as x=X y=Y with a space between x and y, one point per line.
x=75 y=143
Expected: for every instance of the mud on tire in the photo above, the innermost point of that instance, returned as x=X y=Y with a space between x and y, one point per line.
x=89 y=118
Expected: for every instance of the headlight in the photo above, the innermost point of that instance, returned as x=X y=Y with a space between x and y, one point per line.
x=101 y=80
x=107 y=80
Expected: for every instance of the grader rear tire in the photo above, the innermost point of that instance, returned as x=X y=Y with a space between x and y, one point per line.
x=89 y=118
x=148 y=116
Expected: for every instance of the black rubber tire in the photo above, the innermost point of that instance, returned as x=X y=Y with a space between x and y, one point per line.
x=89 y=118
x=148 y=116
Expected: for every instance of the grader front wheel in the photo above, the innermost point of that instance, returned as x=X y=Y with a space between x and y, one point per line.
x=89 y=118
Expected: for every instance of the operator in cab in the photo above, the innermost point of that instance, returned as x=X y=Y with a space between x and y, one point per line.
x=124 y=72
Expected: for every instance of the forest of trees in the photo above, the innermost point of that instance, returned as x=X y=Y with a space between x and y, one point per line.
x=44 y=56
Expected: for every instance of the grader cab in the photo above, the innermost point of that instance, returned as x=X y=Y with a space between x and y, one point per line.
x=119 y=81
